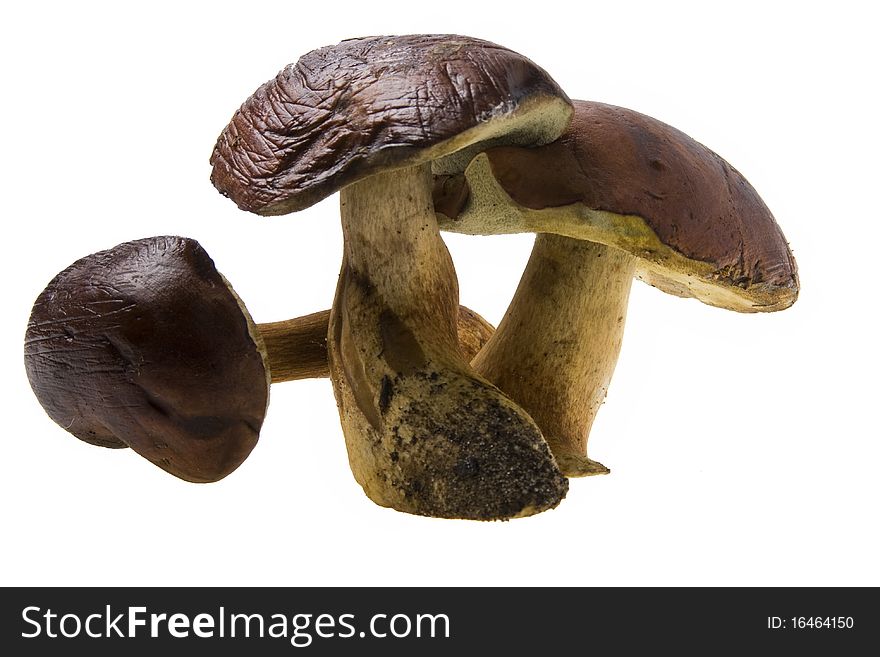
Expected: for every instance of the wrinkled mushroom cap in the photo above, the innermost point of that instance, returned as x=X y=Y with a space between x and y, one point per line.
x=621 y=178
x=344 y=112
x=145 y=345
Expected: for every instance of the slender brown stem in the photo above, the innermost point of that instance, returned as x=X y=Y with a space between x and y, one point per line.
x=297 y=348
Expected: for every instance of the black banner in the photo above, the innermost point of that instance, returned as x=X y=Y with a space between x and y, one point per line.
x=405 y=621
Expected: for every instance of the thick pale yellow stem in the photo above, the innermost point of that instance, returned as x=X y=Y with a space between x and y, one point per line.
x=424 y=433
x=555 y=350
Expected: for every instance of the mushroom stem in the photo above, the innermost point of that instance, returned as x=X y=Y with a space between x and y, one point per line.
x=555 y=350
x=297 y=348
x=424 y=433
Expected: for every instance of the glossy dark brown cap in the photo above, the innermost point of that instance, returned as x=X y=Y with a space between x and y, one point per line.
x=145 y=345
x=618 y=161
x=344 y=112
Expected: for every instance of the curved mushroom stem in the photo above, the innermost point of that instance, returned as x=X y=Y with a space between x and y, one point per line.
x=424 y=434
x=297 y=348
x=555 y=350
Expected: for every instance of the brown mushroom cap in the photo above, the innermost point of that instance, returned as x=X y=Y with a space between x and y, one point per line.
x=345 y=112
x=630 y=181
x=145 y=345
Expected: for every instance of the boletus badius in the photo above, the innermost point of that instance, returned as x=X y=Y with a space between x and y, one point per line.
x=373 y=118
x=620 y=195
x=146 y=345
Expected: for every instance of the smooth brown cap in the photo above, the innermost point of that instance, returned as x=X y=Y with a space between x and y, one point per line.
x=621 y=162
x=344 y=112
x=145 y=345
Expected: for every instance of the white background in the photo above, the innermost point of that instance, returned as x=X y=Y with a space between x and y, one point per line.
x=743 y=448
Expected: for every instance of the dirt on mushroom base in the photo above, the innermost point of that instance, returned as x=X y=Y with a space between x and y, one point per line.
x=442 y=456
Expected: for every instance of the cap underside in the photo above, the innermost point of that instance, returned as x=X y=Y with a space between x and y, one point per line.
x=490 y=211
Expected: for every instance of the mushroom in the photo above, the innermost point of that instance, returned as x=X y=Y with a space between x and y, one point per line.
x=370 y=117
x=147 y=346
x=619 y=195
